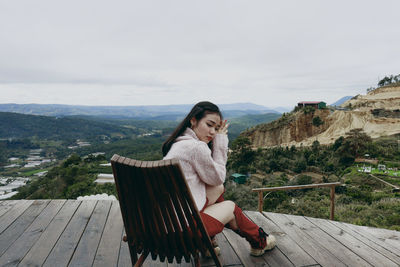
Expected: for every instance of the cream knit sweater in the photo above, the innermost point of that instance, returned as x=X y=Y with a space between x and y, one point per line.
x=199 y=164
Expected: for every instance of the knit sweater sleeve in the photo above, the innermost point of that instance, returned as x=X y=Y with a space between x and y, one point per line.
x=211 y=167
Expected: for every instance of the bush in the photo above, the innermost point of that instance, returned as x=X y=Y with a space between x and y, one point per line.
x=303 y=179
x=300 y=165
x=308 y=110
x=316 y=121
x=73 y=159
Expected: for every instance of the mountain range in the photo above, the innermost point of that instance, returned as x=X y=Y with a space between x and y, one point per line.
x=162 y=112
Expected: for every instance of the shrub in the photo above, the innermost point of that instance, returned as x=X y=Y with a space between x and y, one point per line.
x=317 y=121
x=303 y=179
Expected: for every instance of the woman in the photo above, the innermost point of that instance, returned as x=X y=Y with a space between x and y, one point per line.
x=200 y=142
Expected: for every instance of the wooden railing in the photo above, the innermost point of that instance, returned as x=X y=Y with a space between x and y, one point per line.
x=285 y=188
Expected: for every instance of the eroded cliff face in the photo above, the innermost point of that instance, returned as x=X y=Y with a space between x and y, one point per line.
x=377 y=113
x=292 y=128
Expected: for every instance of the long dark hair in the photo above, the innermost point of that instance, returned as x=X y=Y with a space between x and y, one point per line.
x=199 y=110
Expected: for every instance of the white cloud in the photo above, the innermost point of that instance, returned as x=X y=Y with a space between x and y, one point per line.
x=171 y=52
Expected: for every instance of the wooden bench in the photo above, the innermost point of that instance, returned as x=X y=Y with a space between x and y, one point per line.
x=159 y=212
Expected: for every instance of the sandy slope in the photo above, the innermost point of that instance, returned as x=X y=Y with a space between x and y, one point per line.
x=340 y=122
x=385 y=98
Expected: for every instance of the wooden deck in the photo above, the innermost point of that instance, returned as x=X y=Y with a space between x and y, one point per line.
x=88 y=233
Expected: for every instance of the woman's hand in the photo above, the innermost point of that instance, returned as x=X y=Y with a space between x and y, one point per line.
x=223 y=129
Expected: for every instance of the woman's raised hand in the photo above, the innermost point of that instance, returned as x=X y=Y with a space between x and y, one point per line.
x=223 y=129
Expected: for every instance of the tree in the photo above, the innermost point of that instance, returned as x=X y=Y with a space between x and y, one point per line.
x=73 y=159
x=357 y=141
x=354 y=144
x=304 y=179
x=308 y=109
x=315 y=146
x=370 y=89
x=386 y=80
x=300 y=165
x=316 y=121
x=338 y=143
x=389 y=80
x=242 y=155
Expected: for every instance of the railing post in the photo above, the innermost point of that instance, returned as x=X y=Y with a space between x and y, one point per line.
x=260 y=201
x=332 y=202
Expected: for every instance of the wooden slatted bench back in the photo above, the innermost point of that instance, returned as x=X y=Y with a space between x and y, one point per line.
x=158 y=210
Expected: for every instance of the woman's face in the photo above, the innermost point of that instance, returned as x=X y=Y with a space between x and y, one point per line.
x=207 y=127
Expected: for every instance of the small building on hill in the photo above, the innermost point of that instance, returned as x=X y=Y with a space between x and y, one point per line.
x=239 y=178
x=314 y=104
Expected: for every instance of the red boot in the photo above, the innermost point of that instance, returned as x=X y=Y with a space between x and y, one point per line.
x=213 y=226
x=255 y=235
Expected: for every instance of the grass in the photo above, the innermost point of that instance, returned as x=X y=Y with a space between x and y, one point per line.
x=387 y=172
x=374 y=170
x=33 y=172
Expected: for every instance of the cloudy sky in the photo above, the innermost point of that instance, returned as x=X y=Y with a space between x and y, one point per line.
x=272 y=53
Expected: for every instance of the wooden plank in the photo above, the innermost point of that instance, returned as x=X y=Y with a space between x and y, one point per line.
x=86 y=250
x=41 y=249
x=380 y=232
x=389 y=239
x=11 y=215
x=320 y=254
x=294 y=252
x=228 y=255
x=274 y=257
x=175 y=264
x=205 y=261
x=352 y=243
x=108 y=250
x=335 y=247
x=66 y=244
x=242 y=249
x=21 y=246
x=12 y=233
x=6 y=205
x=385 y=249
x=124 y=259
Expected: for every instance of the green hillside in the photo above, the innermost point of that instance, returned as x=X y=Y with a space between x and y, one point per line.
x=362 y=200
x=15 y=125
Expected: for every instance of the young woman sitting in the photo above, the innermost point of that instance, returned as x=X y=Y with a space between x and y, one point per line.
x=200 y=142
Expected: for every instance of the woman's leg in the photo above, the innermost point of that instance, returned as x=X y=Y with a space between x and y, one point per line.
x=216 y=216
x=227 y=212
x=222 y=211
x=214 y=193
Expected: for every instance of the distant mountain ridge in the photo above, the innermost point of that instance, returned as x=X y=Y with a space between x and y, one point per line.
x=341 y=101
x=161 y=112
x=17 y=125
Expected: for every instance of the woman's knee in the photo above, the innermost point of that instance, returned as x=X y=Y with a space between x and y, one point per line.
x=222 y=211
x=230 y=204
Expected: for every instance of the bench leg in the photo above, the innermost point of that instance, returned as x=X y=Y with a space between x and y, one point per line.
x=141 y=259
x=197 y=260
